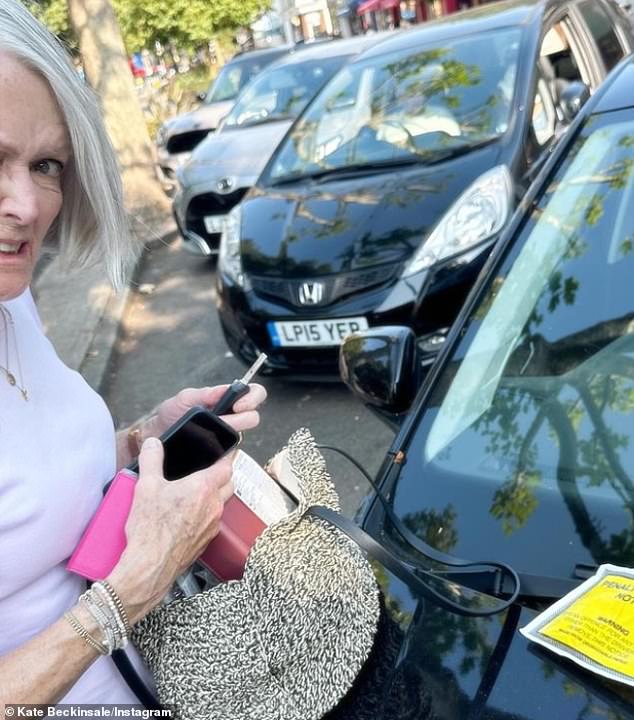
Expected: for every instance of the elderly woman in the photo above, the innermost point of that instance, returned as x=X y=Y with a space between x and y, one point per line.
x=58 y=448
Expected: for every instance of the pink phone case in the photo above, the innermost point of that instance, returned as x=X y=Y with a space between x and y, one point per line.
x=104 y=540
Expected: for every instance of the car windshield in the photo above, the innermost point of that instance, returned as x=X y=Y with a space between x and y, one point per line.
x=528 y=437
x=230 y=80
x=282 y=93
x=421 y=104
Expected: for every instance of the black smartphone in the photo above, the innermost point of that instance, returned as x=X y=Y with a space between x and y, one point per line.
x=194 y=442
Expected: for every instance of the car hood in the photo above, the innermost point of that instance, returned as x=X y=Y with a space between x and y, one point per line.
x=428 y=662
x=240 y=154
x=203 y=117
x=346 y=223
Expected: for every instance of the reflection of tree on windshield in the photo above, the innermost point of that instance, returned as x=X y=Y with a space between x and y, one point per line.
x=560 y=399
x=416 y=105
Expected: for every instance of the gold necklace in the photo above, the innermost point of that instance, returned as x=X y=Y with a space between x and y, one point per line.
x=7 y=319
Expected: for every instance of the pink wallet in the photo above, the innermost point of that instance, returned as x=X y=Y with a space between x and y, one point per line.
x=104 y=540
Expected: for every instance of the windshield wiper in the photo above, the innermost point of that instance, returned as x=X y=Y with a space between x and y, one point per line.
x=262 y=120
x=431 y=157
x=355 y=169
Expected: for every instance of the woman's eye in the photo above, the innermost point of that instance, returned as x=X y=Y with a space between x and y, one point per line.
x=50 y=168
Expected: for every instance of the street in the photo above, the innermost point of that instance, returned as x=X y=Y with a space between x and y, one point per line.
x=171 y=338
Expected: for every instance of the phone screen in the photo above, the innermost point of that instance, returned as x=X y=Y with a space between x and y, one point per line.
x=195 y=443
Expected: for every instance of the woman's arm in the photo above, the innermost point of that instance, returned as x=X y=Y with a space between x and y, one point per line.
x=169 y=526
x=48 y=665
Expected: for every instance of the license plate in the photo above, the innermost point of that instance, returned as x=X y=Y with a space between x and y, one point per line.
x=314 y=333
x=215 y=223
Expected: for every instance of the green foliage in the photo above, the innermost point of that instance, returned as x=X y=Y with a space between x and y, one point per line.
x=187 y=23
x=54 y=14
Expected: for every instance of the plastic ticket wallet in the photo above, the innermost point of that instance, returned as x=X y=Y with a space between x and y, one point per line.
x=593 y=625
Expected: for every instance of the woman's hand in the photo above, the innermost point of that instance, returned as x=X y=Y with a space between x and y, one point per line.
x=244 y=417
x=169 y=526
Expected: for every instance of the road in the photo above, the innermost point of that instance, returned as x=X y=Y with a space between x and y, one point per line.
x=171 y=338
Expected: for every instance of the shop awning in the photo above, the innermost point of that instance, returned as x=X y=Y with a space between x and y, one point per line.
x=368 y=6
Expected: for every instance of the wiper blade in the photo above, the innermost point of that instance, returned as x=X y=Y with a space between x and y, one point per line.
x=493 y=582
x=427 y=157
x=440 y=155
x=354 y=169
x=263 y=120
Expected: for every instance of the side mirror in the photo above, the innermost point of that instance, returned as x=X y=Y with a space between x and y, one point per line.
x=383 y=367
x=572 y=98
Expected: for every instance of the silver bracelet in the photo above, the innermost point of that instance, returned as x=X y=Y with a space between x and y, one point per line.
x=101 y=618
x=114 y=609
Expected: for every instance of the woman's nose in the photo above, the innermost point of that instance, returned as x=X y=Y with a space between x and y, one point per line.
x=18 y=196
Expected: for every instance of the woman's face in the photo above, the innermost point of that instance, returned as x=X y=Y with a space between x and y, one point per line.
x=34 y=148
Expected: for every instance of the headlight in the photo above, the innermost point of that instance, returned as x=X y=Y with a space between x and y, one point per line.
x=478 y=214
x=229 y=258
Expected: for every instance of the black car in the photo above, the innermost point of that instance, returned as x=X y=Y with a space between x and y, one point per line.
x=519 y=445
x=383 y=201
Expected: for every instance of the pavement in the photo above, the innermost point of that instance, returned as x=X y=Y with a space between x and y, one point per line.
x=82 y=314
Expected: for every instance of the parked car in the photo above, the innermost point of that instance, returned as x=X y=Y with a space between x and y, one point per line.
x=383 y=202
x=228 y=163
x=519 y=445
x=179 y=135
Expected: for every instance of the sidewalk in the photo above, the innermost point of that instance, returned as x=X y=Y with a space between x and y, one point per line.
x=81 y=314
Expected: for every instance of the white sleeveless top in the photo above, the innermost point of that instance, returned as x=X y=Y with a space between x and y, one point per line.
x=56 y=453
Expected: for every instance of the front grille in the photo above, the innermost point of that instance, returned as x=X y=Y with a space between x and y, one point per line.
x=185 y=142
x=210 y=204
x=333 y=287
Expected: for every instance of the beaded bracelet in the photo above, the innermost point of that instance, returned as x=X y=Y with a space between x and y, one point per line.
x=85 y=635
x=103 y=617
x=121 y=613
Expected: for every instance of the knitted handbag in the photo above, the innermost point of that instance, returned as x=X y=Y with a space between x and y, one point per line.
x=285 y=642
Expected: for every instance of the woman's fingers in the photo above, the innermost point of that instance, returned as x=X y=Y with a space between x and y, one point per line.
x=209 y=396
x=252 y=400
x=151 y=458
x=242 y=421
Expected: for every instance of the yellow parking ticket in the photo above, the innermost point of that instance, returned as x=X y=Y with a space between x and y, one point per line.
x=593 y=625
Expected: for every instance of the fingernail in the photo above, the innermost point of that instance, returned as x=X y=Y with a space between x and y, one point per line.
x=151 y=442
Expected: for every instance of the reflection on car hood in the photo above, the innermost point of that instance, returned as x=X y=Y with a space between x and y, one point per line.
x=242 y=152
x=342 y=224
x=203 y=117
x=437 y=664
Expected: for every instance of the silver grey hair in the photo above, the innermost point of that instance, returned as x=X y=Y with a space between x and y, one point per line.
x=92 y=225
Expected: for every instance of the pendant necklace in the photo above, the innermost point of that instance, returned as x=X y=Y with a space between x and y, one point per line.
x=7 y=320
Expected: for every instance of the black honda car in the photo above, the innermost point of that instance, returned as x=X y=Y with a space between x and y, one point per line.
x=518 y=447
x=384 y=199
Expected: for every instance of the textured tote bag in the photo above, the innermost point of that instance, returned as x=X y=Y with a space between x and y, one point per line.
x=285 y=642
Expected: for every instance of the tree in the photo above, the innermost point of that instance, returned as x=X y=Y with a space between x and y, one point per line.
x=106 y=66
x=188 y=23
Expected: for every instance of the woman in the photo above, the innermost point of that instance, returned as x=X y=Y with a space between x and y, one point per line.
x=59 y=182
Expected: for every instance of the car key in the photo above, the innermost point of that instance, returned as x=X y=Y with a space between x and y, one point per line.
x=238 y=388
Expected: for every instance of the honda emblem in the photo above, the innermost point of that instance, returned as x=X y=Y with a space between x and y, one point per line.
x=311 y=293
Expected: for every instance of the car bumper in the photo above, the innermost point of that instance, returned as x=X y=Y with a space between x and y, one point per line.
x=427 y=302
x=192 y=203
x=166 y=168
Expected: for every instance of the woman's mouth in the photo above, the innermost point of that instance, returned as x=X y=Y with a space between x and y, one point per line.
x=11 y=248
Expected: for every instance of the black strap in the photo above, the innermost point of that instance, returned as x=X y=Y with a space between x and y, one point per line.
x=134 y=681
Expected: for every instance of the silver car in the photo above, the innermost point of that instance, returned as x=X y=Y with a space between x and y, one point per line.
x=179 y=135
x=226 y=164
